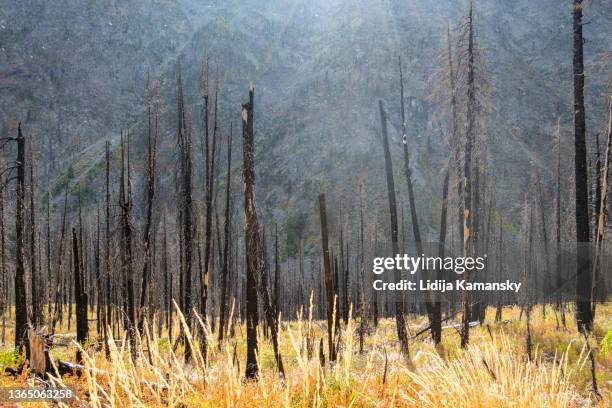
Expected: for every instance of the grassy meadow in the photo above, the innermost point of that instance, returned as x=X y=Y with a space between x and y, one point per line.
x=494 y=371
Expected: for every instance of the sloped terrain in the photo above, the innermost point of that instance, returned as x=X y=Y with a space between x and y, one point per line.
x=75 y=74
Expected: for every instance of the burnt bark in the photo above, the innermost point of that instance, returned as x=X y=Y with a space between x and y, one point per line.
x=226 y=243
x=21 y=313
x=584 y=314
x=80 y=297
x=400 y=321
x=329 y=281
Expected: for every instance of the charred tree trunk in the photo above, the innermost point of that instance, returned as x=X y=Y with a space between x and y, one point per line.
x=584 y=314
x=99 y=312
x=58 y=274
x=467 y=175
x=434 y=317
x=399 y=307
x=436 y=320
x=226 y=243
x=80 y=297
x=455 y=142
x=36 y=304
x=21 y=312
x=107 y=266
x=209 y=187
x=150 y=195
x=329 y=281
x=277 y=272
x=125 y=203
x=48 y=250
x=255 y=247
x=185 y=146
x=254 y=263
x=167 y=282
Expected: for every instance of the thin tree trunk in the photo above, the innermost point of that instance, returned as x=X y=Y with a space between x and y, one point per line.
x=33 y=271
x=125 y=203
x=107 y=267
x=21 y=312
x=400 y=321
x=58 y=275
x=185 y=144
x=80 y=297
x=150 y=195
x=467 y=176
x=226 y=242
x=329 y=286
x=603 y=205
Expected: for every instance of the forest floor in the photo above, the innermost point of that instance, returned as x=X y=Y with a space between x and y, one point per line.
x=494 y=371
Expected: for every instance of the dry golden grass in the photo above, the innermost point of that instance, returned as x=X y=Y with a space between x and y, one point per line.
x=493 y=372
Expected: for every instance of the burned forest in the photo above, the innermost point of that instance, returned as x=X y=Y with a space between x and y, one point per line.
x=306 y=203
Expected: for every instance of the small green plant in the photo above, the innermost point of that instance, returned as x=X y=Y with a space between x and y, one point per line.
x=9 y=358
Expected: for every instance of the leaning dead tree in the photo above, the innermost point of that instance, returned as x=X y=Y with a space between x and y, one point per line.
x=254 y=253
x=433 y=312
x=400 y=321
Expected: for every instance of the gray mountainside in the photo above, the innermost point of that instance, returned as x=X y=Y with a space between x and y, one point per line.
x=74 y=73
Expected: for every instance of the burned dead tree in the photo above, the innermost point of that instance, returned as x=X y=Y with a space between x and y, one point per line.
x=186 y=204
x=226 y=243
x=125 y=204
x=434 y=313
x=475 y=86
x=36 y=304
x=80 y=297
x=255 y=263
x=400 y=321
x=21 y=312
x=58 y=273
x=277 y=272
x=584 y=279
x=152 y=133
x=107 y=265
x=329 y=284
x=209 y=165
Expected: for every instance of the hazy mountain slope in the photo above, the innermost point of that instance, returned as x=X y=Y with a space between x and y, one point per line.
x=73 y=71
x=319 y=68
